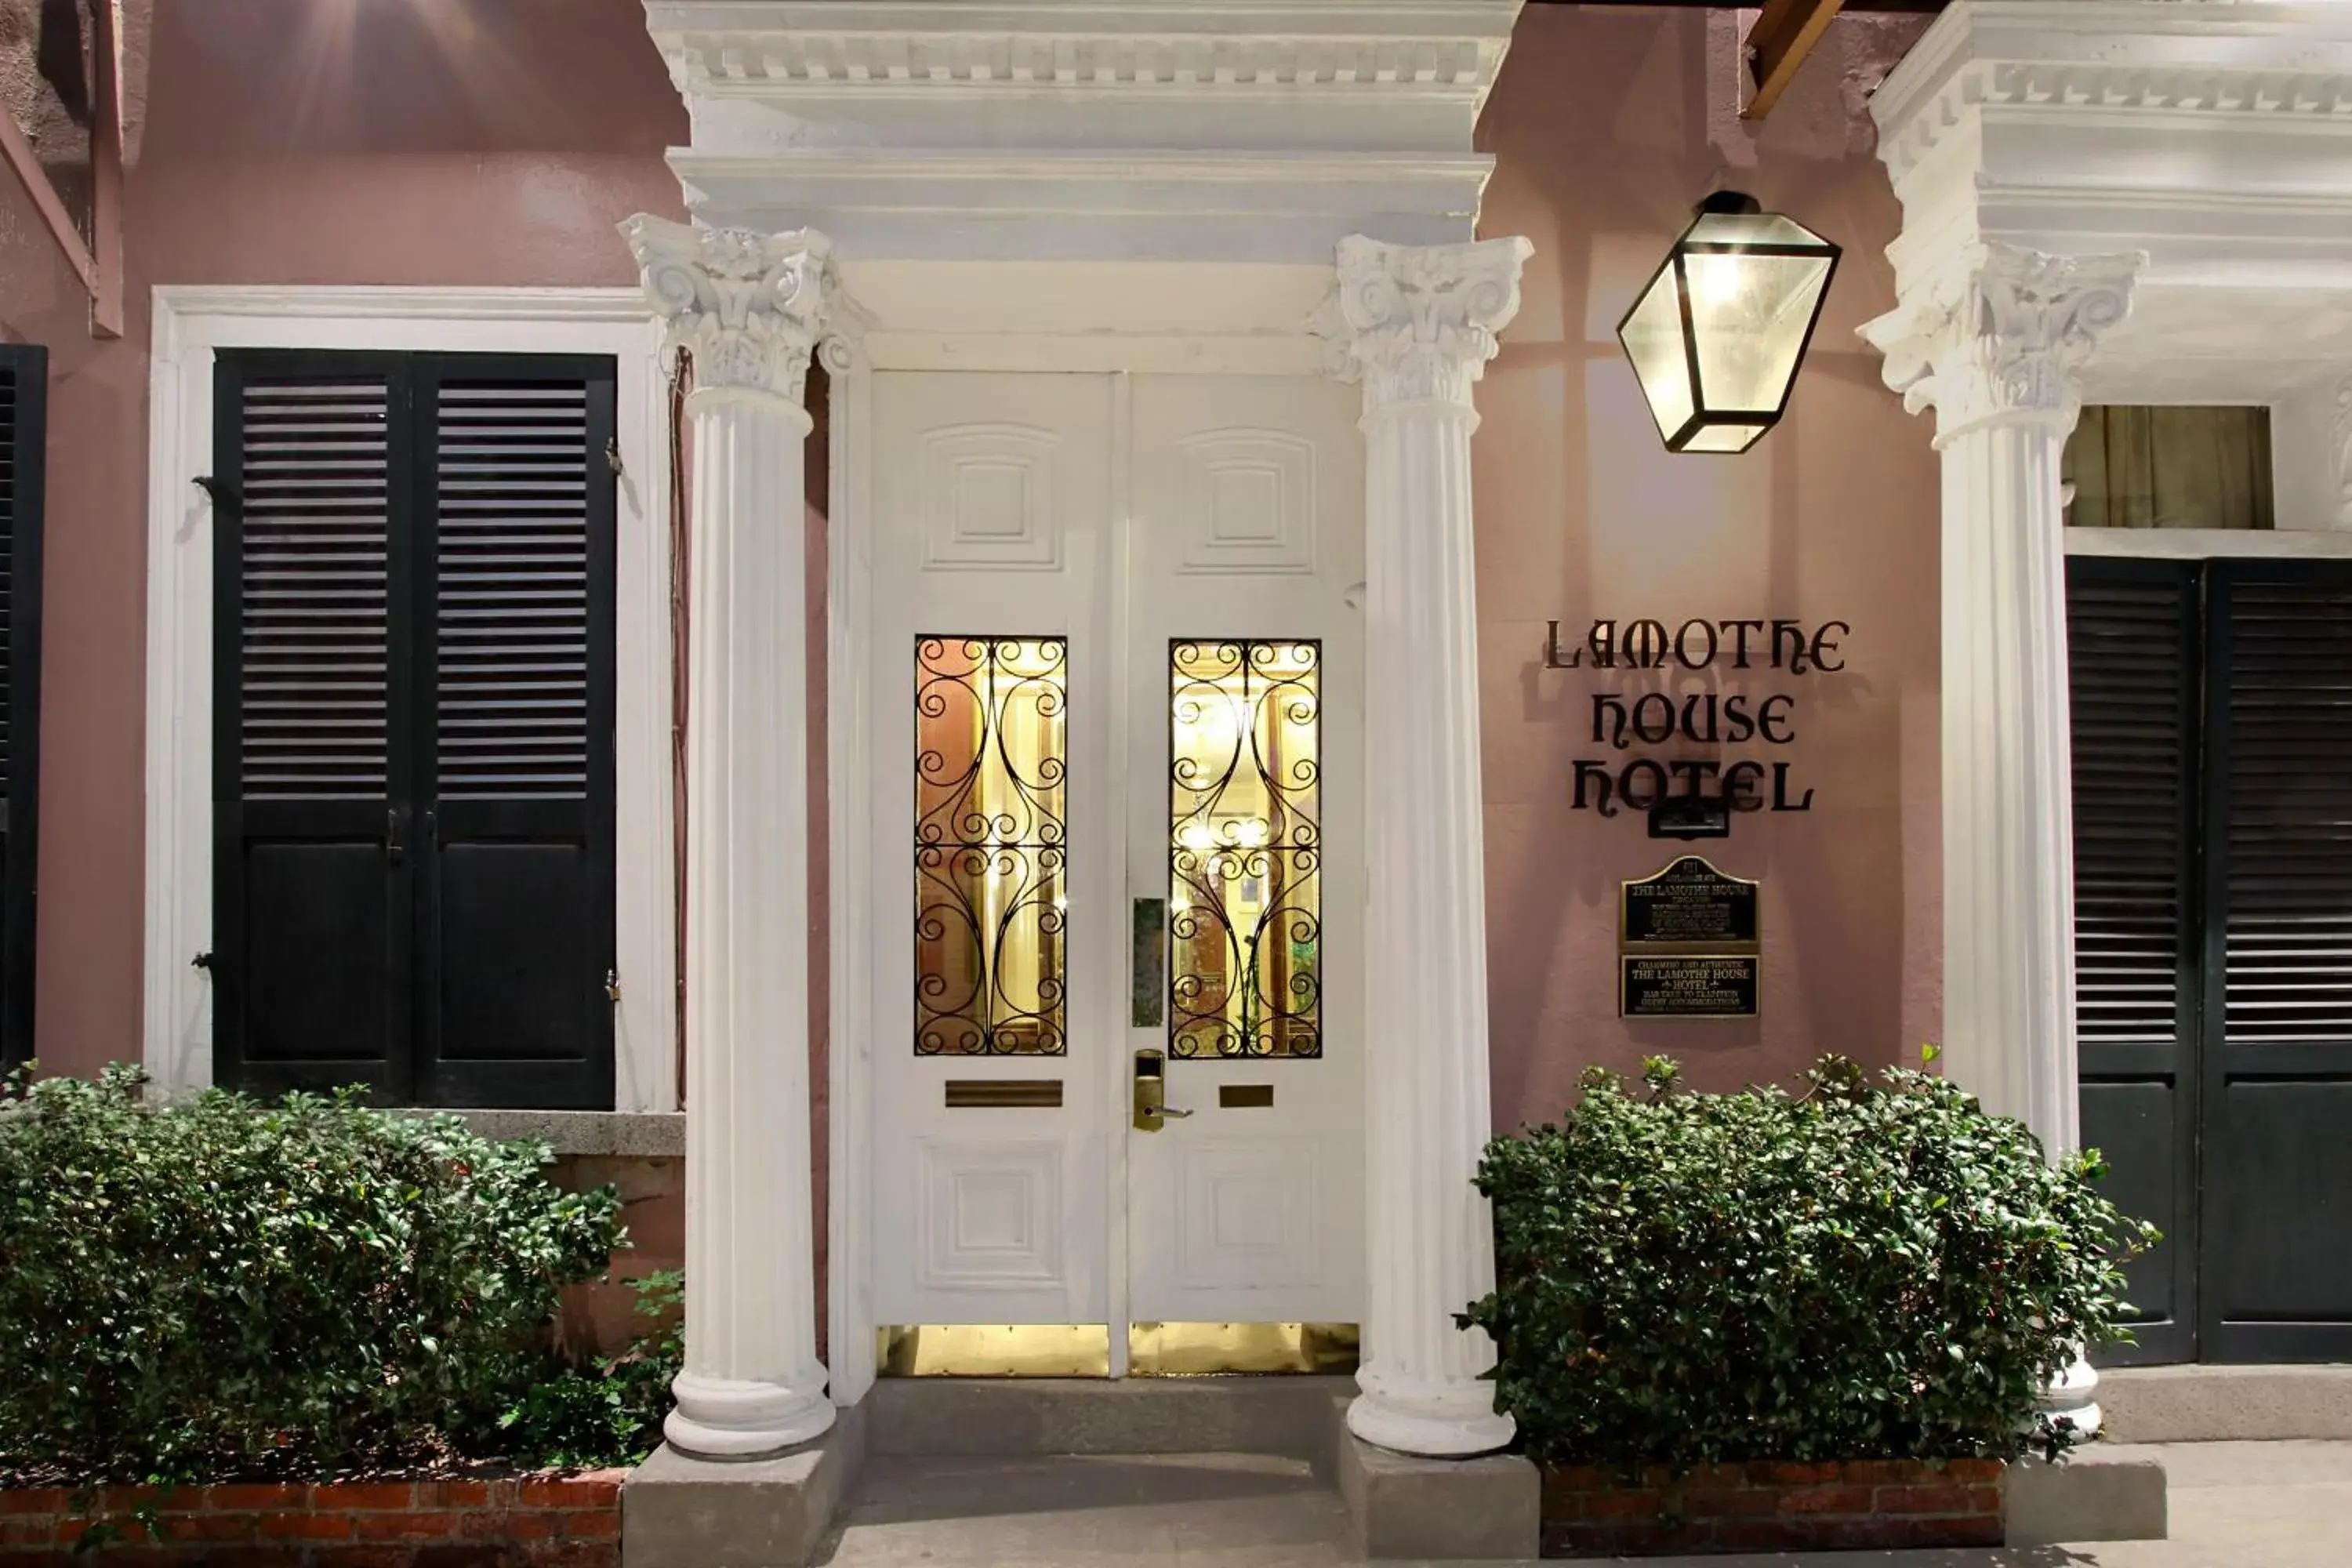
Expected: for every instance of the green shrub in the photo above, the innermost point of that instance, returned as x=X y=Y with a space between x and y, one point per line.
x=225 y=1288
x=610 y=1412
x=1868 y=1271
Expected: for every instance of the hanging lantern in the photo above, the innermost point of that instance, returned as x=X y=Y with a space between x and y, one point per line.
x=1718 y=334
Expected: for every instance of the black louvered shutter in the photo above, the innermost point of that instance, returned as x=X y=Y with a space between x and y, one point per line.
x=516 y=905
x=23 y=434
x=2133 y=637
x=313 y=736
x=412 y=738
x=2278 y=1050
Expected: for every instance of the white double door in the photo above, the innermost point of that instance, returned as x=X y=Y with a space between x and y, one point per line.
x=1117 y=703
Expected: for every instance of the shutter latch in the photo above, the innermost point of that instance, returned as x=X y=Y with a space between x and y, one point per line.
x=612 y=985
x=202 y=960
x=613 y=454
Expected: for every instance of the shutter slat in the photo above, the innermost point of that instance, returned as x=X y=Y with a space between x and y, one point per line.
x=314 y=588
x=2128 y=684
x=512 y=608
x=2288 y=889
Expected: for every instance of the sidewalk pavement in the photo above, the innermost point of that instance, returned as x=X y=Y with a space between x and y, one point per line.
x=2233 y=1505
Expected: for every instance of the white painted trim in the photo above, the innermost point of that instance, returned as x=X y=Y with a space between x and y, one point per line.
x=190 y=322
x=849 y=1195
x=2198 y=543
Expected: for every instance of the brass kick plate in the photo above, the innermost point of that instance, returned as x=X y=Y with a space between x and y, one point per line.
x=1209 y=1350
x=984 y=1093
x=1083 y=1350
x=995 y=1349
x=1245 y=1096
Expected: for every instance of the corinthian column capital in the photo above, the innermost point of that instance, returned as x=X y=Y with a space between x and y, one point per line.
x=1416 y=323
x=2000 y=334
x=749 y=307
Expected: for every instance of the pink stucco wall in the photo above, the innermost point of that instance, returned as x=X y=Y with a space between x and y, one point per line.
x=1599 y=128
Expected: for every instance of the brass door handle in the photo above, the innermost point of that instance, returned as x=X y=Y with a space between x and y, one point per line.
x=1151 y=1108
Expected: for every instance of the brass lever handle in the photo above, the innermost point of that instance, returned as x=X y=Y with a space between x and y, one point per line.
x=1151 y=1109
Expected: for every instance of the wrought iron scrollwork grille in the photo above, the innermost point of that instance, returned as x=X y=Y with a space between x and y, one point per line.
x=1245 y=850
x=991 y=963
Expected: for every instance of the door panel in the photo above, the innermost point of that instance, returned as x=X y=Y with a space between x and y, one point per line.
x=515 y=927
x=311 y=739
x=994 y=860
x=413 y=762
x=2134 y=631
x=1244 y=757
x=24 y=441
x=2277 y=1281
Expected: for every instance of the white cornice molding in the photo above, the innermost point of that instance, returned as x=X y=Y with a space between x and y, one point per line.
x=1346 y=46
x=1191 y=130
x=2162 y=64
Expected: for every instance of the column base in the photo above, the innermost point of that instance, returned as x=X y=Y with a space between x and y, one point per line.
x=1441 y=1422
x=2075 y=1396
x=720 y=1418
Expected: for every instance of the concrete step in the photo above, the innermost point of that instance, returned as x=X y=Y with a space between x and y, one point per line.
x=947 y=1417
x=2221 y=1404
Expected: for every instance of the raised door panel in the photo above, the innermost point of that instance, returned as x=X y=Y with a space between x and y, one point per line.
x=991 y=862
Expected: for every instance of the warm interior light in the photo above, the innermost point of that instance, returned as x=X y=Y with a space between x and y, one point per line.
x=1715 y=336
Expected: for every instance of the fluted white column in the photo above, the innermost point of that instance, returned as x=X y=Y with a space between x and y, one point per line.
x=749 y=307
x=1994 y=342
x=1416 y=324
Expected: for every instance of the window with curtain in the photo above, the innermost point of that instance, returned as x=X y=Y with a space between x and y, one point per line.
x=2134 y=467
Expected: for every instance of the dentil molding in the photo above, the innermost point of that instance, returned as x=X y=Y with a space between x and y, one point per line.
x=1230 y=47
x=1416 y=323
x=749 y=307
x=2001 y=335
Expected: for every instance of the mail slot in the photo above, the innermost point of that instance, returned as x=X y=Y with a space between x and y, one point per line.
x=1245 y=1096
x=997 y=1093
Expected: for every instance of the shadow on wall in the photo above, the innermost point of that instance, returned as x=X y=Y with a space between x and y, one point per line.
x=1601 y=127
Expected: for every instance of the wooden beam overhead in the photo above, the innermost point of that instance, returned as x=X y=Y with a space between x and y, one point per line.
x=1776 y=45
x=101 y=274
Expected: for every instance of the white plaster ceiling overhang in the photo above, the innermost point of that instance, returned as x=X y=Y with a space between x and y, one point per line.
x=2216 y=135
x=1257 y=130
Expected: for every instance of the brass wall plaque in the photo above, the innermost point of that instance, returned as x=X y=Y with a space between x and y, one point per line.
x=997 y=1093
x=1245 y=1096
x=1690 y=902
x=1686 y=985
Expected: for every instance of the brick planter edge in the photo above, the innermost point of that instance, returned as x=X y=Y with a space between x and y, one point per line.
x=571 y=1521
x=1591 y=1511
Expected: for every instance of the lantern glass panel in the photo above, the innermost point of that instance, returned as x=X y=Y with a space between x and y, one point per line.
x=1652 y=336
x=1751 y=314
x=1724 y=437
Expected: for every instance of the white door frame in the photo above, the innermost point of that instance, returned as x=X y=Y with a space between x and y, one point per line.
x=1251 y=330
x=190 y=324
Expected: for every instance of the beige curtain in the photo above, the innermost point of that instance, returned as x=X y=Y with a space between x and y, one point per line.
x=2170 y=468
